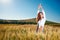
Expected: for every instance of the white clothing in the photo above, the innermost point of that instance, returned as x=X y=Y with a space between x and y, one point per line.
x=41 y=22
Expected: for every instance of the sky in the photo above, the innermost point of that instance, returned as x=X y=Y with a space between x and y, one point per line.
x=26 y=9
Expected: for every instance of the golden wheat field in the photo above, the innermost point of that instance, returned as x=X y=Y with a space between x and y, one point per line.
x=27 y=32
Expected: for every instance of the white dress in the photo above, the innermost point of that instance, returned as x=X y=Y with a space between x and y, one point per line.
x=41 y=22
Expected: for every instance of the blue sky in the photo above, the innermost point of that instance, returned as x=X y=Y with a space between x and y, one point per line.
x=25 y=9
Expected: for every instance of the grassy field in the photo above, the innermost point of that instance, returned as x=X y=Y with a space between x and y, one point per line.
x=27 y=32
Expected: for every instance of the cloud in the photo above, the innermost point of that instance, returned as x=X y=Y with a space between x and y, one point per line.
x=5 y=2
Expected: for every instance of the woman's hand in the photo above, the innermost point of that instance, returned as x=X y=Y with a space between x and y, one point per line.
x=39 y=6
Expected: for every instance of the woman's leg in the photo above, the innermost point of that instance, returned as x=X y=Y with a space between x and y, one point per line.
x=37 y=27
x=40 y=29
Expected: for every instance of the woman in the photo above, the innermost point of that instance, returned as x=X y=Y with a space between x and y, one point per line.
x=40 y=19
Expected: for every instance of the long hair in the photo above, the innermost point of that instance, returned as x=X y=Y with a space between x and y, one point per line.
x=39 y=16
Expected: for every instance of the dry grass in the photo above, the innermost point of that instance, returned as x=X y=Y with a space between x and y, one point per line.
x=27 y=32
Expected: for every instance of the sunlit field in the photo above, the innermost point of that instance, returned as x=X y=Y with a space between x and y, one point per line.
x=28 y=32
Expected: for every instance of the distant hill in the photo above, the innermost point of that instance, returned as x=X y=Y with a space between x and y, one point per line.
x=27 y=21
